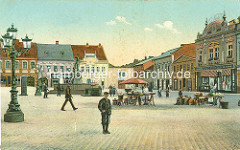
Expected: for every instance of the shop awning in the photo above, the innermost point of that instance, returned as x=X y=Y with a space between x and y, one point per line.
x=226 y=72
x=209 y=73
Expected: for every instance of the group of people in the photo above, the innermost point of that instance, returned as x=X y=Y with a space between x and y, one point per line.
x=112 y=90
x=104 y=104
x=160 y=92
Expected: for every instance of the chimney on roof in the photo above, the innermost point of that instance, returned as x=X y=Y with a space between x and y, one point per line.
x=87 y=45
x=135 y=60
x=57 y=42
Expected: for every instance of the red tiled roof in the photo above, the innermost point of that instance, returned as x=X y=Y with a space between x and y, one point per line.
x=187 y=50
x=79 y=50
x=32 y=53
x=148 y=64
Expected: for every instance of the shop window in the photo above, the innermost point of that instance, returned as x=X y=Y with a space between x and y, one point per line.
x=24 y=65
x=226 y=83
x=8 y=64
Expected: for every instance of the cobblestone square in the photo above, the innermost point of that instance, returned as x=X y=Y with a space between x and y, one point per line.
x=165 y=126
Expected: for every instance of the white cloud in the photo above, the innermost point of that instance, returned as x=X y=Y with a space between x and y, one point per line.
x=148 y=29
x=111 y=22
x=123 y=20
x=168 y=25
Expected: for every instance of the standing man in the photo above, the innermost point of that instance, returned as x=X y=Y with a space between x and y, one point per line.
x=167 y=93
x=180 y=93
x=45 y=90
x=105 y=108
x=58 y=90
x=68 y=97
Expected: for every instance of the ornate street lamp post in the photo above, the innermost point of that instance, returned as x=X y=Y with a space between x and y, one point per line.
x=38 y=89
x=14 y=113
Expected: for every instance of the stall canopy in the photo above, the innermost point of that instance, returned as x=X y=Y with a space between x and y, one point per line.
x=134 y=81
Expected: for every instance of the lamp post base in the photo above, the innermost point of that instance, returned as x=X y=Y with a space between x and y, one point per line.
x=16 y=116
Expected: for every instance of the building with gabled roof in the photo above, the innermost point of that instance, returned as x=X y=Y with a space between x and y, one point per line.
x=55 y=62
x=184 y=63
x=217 y=53
x=93 y=62
x=162 y=63
x=25 y=65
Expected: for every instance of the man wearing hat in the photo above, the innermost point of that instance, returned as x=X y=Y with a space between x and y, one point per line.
x=68 y=97
x=105 y=108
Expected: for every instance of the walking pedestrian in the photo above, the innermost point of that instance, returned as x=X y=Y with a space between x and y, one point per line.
x=105 y=108
x=45 y=90
x=68 y=97
x=110 y=90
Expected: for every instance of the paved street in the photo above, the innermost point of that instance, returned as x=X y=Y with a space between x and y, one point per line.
x=165 y=126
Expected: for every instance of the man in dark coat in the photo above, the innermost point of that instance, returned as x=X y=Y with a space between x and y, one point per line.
x=58 y=90
x=105 y=108
x=68 y=97
x=45 y=90
x=180 y=93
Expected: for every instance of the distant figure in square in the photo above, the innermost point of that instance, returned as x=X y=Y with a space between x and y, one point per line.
x=45 y=90
x=167 y=93
x=180 y=93
x=105 y=108
x=160 y=92
x=58 y=90
x=68 y=97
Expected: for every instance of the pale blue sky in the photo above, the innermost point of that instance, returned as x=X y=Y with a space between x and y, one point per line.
x=79 y=22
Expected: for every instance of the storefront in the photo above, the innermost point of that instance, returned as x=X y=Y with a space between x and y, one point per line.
x=223 y=80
